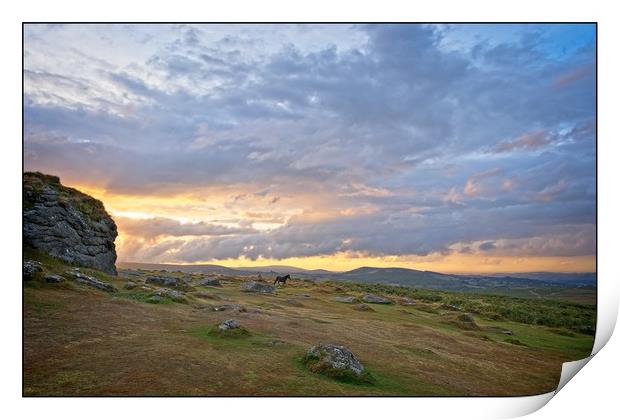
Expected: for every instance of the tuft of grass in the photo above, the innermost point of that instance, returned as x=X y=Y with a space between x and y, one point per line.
x=515 y=342
x=238 y=332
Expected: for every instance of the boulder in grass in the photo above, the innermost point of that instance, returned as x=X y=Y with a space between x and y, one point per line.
x=210 y=283
x=229 y=324
x=168 y=281
x=174 y=295
x=370 y=298
x=337 y=362
x=30 y=269
x=256 y=287
x=229 y=329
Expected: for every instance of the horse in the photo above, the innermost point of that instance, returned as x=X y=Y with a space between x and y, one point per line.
x=281 y=279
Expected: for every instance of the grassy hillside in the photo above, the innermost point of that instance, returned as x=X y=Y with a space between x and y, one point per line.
x=82 y=341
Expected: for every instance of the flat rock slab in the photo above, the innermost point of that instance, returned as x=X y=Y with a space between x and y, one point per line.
x=346 y=299
x=256 y=287
x=370 y=298
x=82 y=278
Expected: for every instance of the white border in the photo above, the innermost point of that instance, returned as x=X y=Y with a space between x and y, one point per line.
x=317 y=10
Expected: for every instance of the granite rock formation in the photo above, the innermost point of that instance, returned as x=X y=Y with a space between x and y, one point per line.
x=67 y=224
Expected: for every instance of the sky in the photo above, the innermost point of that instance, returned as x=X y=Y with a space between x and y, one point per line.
x=453 y=148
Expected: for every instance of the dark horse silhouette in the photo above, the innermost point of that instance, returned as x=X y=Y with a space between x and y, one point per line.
x=282 y=279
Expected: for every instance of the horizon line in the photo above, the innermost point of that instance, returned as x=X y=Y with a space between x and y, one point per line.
x=362 y=266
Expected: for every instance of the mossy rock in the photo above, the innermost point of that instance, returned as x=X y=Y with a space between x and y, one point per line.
x=338 y=363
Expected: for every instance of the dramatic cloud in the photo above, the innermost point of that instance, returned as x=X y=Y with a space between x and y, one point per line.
x=215 y=142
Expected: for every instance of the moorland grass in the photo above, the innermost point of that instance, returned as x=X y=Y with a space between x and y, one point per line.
x=547 y=312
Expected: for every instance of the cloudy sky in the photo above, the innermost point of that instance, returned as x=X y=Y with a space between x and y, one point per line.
x=455 y=148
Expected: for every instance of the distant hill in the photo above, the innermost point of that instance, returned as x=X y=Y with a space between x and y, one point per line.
x=518 y=284
x=189 y=268
x=577 y=279
x=277 y=269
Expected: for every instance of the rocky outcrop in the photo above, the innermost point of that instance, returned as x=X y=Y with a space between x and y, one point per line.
x=67 y=224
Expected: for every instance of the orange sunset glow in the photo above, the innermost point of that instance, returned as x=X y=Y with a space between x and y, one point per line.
x=327 y=147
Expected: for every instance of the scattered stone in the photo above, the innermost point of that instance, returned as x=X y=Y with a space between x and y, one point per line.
x=54 y=278
x=449 y=307
x=346 y=299
x=67 y=224
x=229 y=307
x=363 y=307
x=406 y=301
x=229 y=324
x=253 y=286
x=336 y=362
x=81 y=278
x=168 y=281
x=30 y=269
x=210 y=282
x=276 y=342
x=229 y=329
x=171 y=294
x=370 y=298
x=130 y=285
